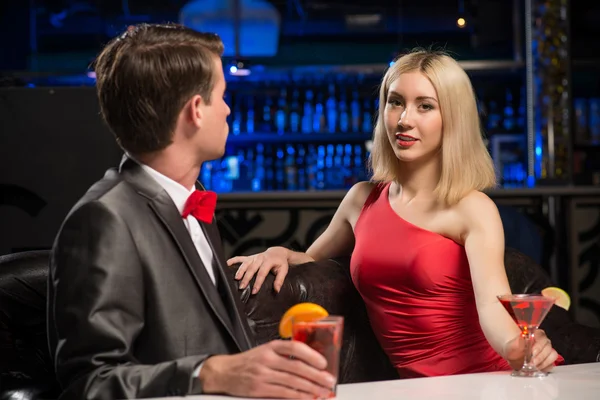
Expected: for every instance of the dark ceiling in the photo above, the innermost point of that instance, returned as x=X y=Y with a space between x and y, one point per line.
x=308 y=27
x=81 y=23
x=84 y=16
x=307 y=11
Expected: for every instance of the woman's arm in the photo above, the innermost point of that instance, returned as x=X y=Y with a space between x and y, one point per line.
x=337 y=240
x=484 y=244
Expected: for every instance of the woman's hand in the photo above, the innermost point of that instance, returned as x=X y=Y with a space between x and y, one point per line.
x=274 y=259
x=543 y=355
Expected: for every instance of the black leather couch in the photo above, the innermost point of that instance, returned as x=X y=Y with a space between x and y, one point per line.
x=26 y=367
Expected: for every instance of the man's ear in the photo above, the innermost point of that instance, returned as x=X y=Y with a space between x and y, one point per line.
x=196 y=110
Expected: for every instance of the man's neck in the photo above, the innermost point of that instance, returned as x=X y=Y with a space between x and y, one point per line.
x=177 y=166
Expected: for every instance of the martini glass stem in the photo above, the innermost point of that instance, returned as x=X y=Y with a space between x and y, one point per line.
x=528 y=335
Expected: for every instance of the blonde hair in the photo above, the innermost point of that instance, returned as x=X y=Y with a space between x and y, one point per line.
x=466 y=164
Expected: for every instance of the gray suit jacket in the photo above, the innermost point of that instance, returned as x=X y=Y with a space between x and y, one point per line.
x=132 y=310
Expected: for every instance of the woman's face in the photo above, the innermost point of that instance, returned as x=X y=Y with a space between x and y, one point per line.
x=412 y=117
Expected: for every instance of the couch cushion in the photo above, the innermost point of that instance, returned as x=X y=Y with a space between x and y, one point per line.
x=25 y=362
x=577 y=343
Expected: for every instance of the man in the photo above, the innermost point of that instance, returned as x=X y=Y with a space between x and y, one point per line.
x=139 y=304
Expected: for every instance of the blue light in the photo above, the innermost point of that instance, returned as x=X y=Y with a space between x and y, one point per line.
x=530 y=181
x=538 y=151
x=258 y=26
x=391 y=63
x=233 y=69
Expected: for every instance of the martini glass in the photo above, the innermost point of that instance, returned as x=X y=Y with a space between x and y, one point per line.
x=528 y=311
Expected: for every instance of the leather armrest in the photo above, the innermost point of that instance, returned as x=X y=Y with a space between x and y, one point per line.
x=26 y=369
x=328 y=284
x=324 y=282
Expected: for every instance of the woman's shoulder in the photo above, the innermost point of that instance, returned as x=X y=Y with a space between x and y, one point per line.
x=477 y=208
x=476 y=201
x=363 y=192
x=359 y=196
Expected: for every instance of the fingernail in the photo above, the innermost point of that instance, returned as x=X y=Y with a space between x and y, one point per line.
x=331 y=381
x=237 y=276
x=255 y=290
x=242 y=286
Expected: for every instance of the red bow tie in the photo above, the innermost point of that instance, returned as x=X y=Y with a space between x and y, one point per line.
x=201 y=205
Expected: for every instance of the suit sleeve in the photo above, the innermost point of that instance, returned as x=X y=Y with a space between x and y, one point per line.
x=96 y=307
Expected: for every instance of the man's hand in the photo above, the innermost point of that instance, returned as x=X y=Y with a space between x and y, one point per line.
x=269 y=371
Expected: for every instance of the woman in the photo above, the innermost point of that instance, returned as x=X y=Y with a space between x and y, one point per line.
x=427 y=245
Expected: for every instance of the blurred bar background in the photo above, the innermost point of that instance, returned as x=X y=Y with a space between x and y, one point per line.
x=302 y=79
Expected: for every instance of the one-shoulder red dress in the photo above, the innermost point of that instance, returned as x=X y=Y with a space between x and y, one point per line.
x=417 y=288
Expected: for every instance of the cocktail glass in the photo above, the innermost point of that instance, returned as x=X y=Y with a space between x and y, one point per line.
x=528 y=311
x=325 y=336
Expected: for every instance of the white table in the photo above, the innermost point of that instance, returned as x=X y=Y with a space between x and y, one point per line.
x=572 y=382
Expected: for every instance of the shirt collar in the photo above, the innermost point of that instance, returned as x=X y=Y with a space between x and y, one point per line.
x=178 y=193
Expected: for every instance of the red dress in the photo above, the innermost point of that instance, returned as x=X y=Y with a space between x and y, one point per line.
x=417 y=288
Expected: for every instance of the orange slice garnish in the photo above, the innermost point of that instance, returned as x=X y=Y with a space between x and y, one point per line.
x=304 y=312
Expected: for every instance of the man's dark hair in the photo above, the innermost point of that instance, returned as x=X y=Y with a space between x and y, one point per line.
x=145 y=76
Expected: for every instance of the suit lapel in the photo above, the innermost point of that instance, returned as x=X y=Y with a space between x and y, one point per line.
x=160 y=202
x=233 y=303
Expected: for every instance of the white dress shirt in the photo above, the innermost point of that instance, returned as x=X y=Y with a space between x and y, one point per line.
x=179 y=194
